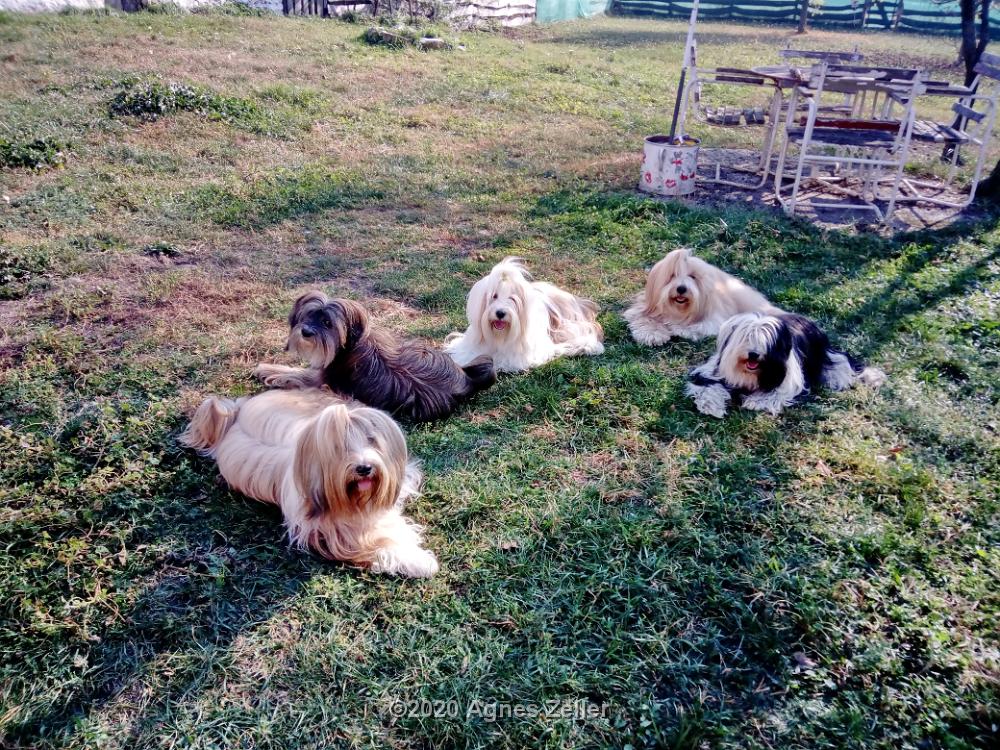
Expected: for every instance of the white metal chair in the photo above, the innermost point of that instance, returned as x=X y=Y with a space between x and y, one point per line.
x=834 y=145
x=975 y=115
x=697 y=78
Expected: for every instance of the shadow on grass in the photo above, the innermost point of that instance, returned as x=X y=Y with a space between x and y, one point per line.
x=195 y=574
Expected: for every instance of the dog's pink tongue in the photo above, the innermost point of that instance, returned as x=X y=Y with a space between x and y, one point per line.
x=499 y=324
x=365 y=484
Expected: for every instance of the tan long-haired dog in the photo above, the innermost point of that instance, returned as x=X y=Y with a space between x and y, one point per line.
x=338 y=470
x=688 y=297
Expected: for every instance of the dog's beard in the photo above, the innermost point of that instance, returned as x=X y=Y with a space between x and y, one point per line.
x=680 y=307
x=673 y=290
x=749 y=333
x=321 y=327
x=508 y=299
x=357 y=493
x=738 y=373
x=335 y=445
x=319 y=350
x=365 y=492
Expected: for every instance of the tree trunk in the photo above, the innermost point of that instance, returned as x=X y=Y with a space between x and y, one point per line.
x=969 y=45
x=804 y=16
x=988 y=190
x=984 y=28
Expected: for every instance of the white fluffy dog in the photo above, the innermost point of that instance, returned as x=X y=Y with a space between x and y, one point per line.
x=338 y=470
x=690 y=298
x=522 y=323
x=771 y=362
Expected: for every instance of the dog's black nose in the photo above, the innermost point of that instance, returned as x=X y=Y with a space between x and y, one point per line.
x=363 y=470
x=753 y=356
x=501 y=314
x=308 y=332
x=682 y=289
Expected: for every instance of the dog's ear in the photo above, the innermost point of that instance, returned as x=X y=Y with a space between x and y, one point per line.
x=475 y=303
x=726 y=331
x=775 y=365
x=661 y=273
x=355 y=319
x=304 y=303
x=319 y=458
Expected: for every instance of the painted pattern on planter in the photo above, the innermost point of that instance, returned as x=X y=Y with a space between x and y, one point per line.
x=668 y=168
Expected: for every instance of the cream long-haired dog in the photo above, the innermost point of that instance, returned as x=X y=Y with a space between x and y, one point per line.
x=522 y=323
x=338 y=470
x=687 y=297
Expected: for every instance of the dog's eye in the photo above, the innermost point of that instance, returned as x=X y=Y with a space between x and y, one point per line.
x=327 y=323
x=371 y=440
x=495 y=295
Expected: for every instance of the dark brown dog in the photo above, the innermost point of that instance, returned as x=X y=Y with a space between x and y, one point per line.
x=406 y=378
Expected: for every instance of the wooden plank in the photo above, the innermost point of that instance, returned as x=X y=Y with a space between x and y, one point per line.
x=729 y=78
x=988 y=70
x=841 y=137
x=938 y=132
x=888 y=126
x=967 y=112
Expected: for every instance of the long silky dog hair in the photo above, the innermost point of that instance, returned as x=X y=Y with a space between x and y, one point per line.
x=688 y=297
x=521 y=323
x=338 y=470
x=405 y=377
x=770 y=362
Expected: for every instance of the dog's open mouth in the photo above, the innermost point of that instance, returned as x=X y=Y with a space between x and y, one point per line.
x=680 y=300
x=499 y=325
x=359 y=488
x=752 y=365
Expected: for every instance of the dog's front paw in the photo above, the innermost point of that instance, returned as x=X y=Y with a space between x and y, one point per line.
x=422 y=565
x=712 y=400
x=411 y=562
x=265 y=373
x=772 y=406
x=649 y=333
x=872 y=377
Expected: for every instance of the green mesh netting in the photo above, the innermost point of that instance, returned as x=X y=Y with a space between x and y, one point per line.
x=564 y=10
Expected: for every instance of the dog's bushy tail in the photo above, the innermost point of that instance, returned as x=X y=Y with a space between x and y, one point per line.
x=842 y=370
x=481 y=373
x=210 y=424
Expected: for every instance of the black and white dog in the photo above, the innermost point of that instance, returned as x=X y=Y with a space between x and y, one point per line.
x=771 y=361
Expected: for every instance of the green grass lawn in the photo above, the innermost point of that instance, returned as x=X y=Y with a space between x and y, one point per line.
x=826 y=579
